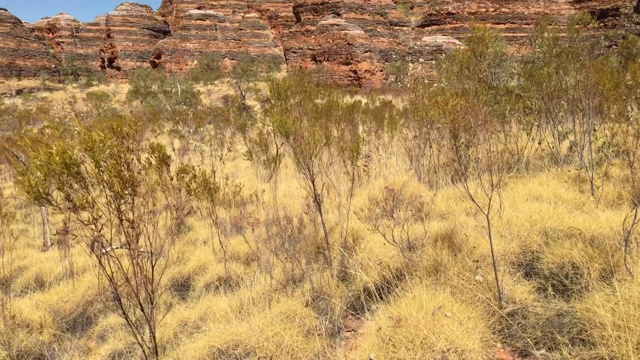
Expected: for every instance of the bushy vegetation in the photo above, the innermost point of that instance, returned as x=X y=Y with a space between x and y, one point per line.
x=280 y=217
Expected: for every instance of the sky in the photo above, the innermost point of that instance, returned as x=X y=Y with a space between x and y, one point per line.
x=83 y=10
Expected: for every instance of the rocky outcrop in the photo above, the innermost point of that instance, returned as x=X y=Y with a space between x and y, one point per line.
x=21 y=54
x=72 y=43
x=355 y=41
x=131 y=32
x=515 y=19
x=116 y=42
x=60 y=31
x=228 y=29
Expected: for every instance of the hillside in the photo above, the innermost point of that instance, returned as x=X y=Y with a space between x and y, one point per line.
x=355 y=40
x=490 y=214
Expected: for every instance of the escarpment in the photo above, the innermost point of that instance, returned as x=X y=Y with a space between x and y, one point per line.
x=354 y=41
x=131 y=32
x=22 y=54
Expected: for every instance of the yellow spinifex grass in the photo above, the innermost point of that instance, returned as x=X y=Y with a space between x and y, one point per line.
x=611 y=319
x=286 y=329
x=558 y=250
x=426 y=322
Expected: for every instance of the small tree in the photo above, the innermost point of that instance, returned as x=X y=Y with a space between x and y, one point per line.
x=471 y=107
x=208 y=69
x=100 y=103
x=398 y=72
x=224 y=206
x=300 y=111
x=107 y=180
x=157 y=96
x=544 y=87
x=626 y=137
x=73 y=68
x=422 y=137
x=591 y=82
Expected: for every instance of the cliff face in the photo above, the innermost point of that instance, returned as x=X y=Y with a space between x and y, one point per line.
x=354 y=40
x=116 y=42
x=131 y=32
x=21 y=54
x=229 y=29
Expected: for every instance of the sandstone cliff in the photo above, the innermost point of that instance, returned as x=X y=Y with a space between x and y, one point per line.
x=354 y=40
x=120 y=40
x=230 y=29
x=21 y=54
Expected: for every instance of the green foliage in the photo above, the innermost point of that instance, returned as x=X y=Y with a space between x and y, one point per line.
x=92 y=79
x=629 y=50
x=299 y=112
x=208 y=70
x=404 y=8
x=100 y=103
x=484 y=63
x=423 y=133
x=73 y=68
x=398 y=72
x=224 y=205
x=245 y=69
x=114 y=188
x=544 y=77
x=248 y=69
x=473 y=101
x=160 y=97
x=321 y=128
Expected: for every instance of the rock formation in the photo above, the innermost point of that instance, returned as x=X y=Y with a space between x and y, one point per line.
x=21 y=54
x=225 y=28
x=118 y=41
x=131 y=32
x=353 y=40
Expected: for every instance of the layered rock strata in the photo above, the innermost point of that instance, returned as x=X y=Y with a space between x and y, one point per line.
x=71 y=42
x=21 y=53
x=131 y=32
x=229 y=30
x=118 y=41
x=355 y=41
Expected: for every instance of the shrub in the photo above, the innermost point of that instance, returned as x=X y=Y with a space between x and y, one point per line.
x=160 y=97
x=208 y=70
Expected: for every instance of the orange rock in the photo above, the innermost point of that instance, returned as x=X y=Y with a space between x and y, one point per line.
x=354 y=40
x=21 y=53
x=503 y=353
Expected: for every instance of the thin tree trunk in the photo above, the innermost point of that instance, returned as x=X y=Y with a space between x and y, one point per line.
x=5 y=295
x=494 y=260
x=592 y=165
x=628 y=235
x=155 y=351
x=317 y=199
x=46 y=234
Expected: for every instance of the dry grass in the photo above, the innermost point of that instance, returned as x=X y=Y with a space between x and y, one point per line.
x=611 y=316
x=426 y=322
x=555 y=245
x=566 y=289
